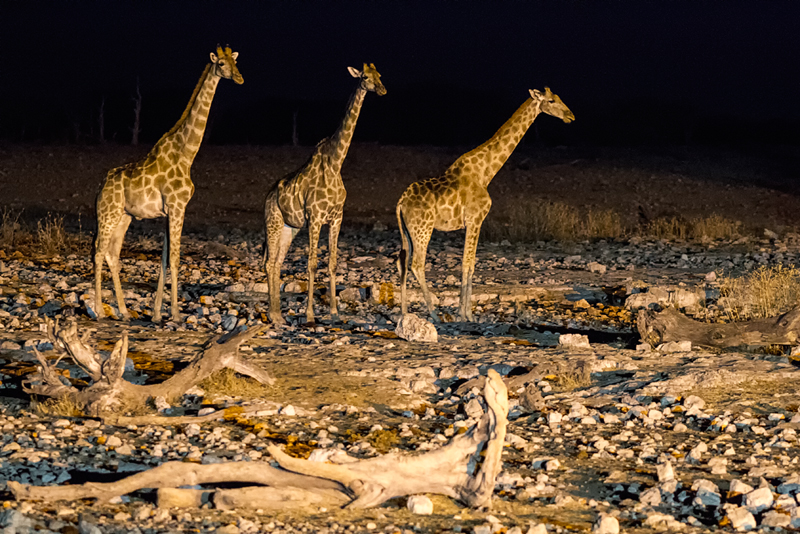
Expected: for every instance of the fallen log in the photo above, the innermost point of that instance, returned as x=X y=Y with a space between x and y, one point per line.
x=109 y=391
x=464 y=469
x=671 y=325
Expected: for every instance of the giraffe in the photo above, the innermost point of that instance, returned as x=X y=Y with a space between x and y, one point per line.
x=157 y=186
x=315 y=194
x=459 y=198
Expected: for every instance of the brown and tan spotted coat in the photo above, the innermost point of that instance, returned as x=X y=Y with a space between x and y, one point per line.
x=314 y=194
x=459 y=199
x=159 y=185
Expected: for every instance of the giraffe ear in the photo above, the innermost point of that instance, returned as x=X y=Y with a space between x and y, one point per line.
x=214 y=58
x=536 y=94
x=234 y=55
x=355 y=73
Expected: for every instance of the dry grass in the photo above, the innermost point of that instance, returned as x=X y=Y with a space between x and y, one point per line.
x=699 y=228
x=11 y=231
x=51 y=238
x=64 y=406
x=764 y=292
x=229 y=383
x=544 y=221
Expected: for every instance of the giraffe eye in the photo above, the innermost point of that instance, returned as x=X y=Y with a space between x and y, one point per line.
x=221 y=63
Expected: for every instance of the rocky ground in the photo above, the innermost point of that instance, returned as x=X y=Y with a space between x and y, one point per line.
x=603 y=432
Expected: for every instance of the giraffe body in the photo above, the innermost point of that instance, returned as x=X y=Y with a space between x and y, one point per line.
x=459 y=199
x=159 y=185
x=314 y=194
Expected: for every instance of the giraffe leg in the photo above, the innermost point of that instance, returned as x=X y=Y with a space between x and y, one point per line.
x=420 y=247
x=467 y=270
x=162 y=273
x=112 y=258
x=175 y=229
x=106 y=226
x=333 y=249
x=278 y=238
x=405 y=251
x=314 y=228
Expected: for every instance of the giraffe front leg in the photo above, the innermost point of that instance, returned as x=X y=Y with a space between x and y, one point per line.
x=175 y=229
x=467 y=270
x=162 y=273
x=314 y=228
x=333 y=250
x=106 y=225
x=114 y=250
x=280 y=237
x=420 y=248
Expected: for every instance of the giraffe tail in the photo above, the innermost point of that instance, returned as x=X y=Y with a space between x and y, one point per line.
x=405 y=253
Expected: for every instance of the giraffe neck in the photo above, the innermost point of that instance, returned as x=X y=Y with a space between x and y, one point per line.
x=185 y=137
x=340 y=141
x=486 y=160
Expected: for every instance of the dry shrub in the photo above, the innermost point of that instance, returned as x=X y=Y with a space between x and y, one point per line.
x=544 y=221
x=764 y=292
x=229 y=383
x=10 y=228
x=698 y=228
x=573 y=377
x=64 y=406
x=51 y=238
x=715 y=227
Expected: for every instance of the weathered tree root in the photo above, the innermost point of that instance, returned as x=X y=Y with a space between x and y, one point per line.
x=464 y=469
x=671 y=325
x=109 y=390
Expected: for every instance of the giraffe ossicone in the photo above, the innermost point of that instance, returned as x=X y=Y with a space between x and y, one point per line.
x=313 y=194
x=159 y=185
x=459 y=199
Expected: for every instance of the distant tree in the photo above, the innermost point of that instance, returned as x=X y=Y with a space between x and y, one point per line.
x=295 y=137
x=101 y=121
x=137 y=112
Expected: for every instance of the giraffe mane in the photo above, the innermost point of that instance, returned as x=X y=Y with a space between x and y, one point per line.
x=190 y=104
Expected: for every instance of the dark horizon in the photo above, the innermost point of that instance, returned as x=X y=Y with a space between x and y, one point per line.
x=633 y=73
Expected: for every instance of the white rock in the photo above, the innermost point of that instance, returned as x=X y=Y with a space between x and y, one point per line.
x=718 y=465
x=420 y=505
x=694 y=401
x=574 y=342
x=665 y=472
x=85 y=527
x=113 y=441
x=413 y=328
x=737 y=486
x=675 y=346
x=554 y=417
x=288 y=410
x=650 y=497
x=473 y=408
x=539 y=528
x=758 y=500
x=595 y=267
x=741 y=519
x=773 y=519
x=606 y=524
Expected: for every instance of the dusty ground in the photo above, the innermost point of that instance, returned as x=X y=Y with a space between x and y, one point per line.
x=345 y=378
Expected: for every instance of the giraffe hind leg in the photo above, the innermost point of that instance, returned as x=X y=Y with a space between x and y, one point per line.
x=112 y=258
x=333 y=244
x=314 y=228
x=420 y=247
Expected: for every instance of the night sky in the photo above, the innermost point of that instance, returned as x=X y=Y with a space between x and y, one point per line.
x=632 y=72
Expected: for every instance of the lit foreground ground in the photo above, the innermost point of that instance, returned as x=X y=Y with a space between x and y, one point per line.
x=591 y=429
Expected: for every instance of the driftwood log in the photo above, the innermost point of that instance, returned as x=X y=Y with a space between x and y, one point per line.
x=109 y=390
x=464 y=469
x=671 y=325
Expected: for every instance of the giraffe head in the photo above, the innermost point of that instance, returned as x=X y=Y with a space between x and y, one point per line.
x=552 y=105
x=224 y=62
x=370 y=78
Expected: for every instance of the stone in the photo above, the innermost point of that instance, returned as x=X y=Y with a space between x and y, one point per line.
x=737 y=486
x=574 y=342
x=650 y=497
x=693 y=401
x=413 y=328
x=84 y=527
x=758 y=500
x=14 y=519
x=420 y=505
x=606 y=524
x=741 y=519
x=665 y=472
x=473 y=408
x=718 y=465
x=675 y=346
x=531 y=399
x=595 y=267
x=775 y=519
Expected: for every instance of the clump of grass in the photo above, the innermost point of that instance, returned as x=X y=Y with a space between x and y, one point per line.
x=574 y=377
x=51 y=238
x=10 y=229
x=64 y=406
x=544 y=221
x=699 y=228
x=765 y=292
x=229 y=383
x=384 y=440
